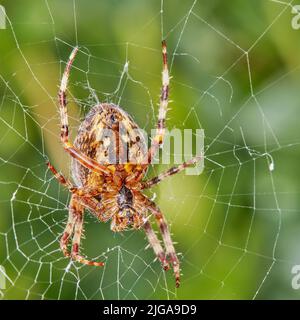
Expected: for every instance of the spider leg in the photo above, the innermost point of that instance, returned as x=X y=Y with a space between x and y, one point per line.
x=69 y=228
x=61 y=179
x=75 y=224
x=163 y=226
x=88 y=192
x=76 y=243
x=101 y=212
x=170 y=250
x=169 y=172
x=163 y=107
x=85 y=196
x=68 y=146
x=161 y=124
x=155 y=244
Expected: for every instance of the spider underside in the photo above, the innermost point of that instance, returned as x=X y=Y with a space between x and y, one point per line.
x=111 y=189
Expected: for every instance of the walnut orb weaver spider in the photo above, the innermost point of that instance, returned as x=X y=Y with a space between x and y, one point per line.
x=114 y=191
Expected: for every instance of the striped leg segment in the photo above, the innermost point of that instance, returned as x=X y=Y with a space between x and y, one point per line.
x=76 y=244
x=170 y=250
x=162 y=224
x=170 y=172
x=61 y=179
x=75 y=219
x=161 y=124
x=155 y=244
x=68 y=229
x=62 y=96
x=85 y=191
x=68 y=146
x=75 y=225
x=84 y=195
x=163 y=107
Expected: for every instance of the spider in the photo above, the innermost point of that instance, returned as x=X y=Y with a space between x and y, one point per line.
x=114 y=191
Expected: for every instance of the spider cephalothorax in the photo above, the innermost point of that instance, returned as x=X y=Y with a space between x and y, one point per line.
x=109 y=162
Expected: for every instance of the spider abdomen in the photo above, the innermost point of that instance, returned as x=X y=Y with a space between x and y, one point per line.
x=111 y=137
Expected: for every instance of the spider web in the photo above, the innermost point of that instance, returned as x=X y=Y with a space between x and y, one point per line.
x=235 y=73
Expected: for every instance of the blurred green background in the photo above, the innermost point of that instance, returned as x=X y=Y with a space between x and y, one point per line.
x=235 y=70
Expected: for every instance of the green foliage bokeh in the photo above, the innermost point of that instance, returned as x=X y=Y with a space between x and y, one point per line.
x=235 y=74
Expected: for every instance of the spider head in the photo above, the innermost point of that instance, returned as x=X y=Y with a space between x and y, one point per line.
x=127 y=215
x=125 y=198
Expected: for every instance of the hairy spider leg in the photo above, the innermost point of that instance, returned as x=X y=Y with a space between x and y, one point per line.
x=68 y=231
x=165 y=232
x=75 y=225
x=155 y=244
x=176 y=169
x=61 y=179
x=163 y=107
x=79 y=198
x=88 y=192
x=161 y=124
x=170 y=250
x=68 y=146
